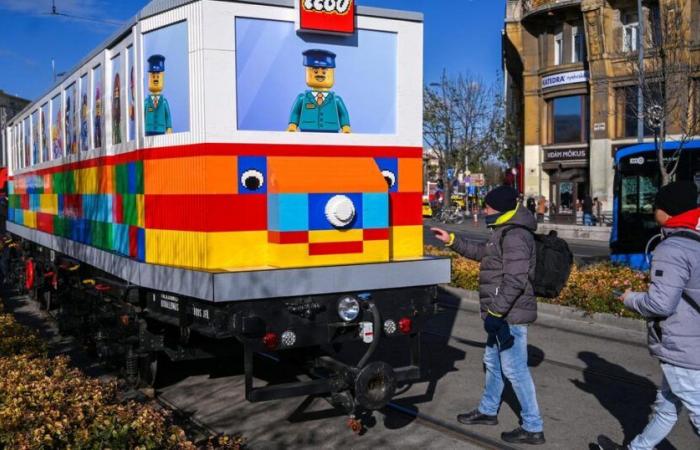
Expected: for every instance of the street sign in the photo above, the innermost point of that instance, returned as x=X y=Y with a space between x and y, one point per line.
x=326 y=16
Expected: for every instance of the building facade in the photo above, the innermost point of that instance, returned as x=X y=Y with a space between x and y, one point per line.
x=9 y=107
x=571 y=89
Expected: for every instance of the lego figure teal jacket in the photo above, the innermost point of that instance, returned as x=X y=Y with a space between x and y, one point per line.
x=158 y=120
x=328 y=117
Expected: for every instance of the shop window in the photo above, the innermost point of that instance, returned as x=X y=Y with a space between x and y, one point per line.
x=569 y=119
x=630 y=32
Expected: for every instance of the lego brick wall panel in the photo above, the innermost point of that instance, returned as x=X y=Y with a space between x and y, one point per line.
x=323 y=175
x=129 y=178
x=298 y=255
x=29 y=219
x=411 y=174
x=375 y=210
x=406 y=208
x=226 y=251
x=133 y=209
x=45 y=222
x=86 y=180
x=406 y=242
x=64 y=182
x=48 y=203
x=176 y=248
x=48 y=184
x=101 y=235
x=288 y=212
x=191 y=175
x=207 y=212
x=105 y=179
x=61 y=226
x=98 y=207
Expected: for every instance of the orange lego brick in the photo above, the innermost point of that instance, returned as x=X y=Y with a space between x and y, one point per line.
x=323 y=175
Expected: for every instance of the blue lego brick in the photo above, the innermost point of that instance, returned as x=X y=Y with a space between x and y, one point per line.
x=317 y=211
x=97 y=207
x=375 y=210
x=121 y=238
x=389 y=165
x=288 y=212
x=252 y=163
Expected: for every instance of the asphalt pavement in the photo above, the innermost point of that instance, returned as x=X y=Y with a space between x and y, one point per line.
x=585 y=251
x=591 y=379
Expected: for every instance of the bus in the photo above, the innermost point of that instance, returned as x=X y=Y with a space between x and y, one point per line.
x=637 y=180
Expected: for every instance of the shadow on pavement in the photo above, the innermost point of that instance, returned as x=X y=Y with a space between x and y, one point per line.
x=627 y=396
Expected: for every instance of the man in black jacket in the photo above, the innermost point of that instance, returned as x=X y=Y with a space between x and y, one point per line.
x=508 y=306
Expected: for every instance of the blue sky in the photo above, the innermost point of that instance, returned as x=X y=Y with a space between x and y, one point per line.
x=460 y=36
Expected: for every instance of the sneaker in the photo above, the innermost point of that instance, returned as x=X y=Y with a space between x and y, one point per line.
x=605 y=443
x=476 y=418
x=520 y=436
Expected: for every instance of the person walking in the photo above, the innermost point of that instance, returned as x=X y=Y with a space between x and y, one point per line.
x=508 y=306
x=587 y=208
x=672 y=309
x=541 y=209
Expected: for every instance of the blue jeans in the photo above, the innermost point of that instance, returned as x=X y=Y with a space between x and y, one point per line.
x=680 y=387
x=511 y=364
x=588 y=220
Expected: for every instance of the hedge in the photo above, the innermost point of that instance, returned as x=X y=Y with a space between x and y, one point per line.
x=589 y=288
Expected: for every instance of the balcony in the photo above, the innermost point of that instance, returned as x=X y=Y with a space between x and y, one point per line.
x=533 y=8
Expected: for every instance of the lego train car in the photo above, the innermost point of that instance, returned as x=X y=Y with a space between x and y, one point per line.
x=234 y=170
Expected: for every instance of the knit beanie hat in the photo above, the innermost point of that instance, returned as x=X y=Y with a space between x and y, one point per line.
x=502 y=199
x=677 y=197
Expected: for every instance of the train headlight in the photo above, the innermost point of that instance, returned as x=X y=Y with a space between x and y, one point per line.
x=289 y=338
x=348 y=308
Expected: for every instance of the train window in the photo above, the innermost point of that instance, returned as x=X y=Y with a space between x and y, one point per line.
x=84 y=113
x=97 y=107
x=70 y=124
x=56 y=128
x=46 y=132
x=131 y=94
x=166 y=80
x=117 y=77
x=26 y=139
x=285 y=81
x=36 y=138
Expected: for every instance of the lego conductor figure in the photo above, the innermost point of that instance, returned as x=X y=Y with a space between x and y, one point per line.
x=158 y=118
x=319 y=109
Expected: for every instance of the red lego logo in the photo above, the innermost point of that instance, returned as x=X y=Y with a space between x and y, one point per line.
x=327 y=16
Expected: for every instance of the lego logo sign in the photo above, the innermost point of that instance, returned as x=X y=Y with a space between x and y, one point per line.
x=327 y=16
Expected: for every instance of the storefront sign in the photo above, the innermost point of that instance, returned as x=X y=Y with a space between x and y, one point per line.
x=561 y=79
x=326 y=16
x=566 y=154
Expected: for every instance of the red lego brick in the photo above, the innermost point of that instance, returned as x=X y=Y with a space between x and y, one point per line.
x=288 y=237
x=207 y=213
x=380 y=234
x=406 y=208
x=335 y=248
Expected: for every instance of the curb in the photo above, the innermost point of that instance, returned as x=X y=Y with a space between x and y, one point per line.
x=469 y=300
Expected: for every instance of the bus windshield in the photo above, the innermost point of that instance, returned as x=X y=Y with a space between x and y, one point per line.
x=638 y=193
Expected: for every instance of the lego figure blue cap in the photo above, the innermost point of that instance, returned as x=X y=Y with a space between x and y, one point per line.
x=319 y=58
x=156 y=63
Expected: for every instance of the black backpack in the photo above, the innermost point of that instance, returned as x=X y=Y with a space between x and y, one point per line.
x=553 y=263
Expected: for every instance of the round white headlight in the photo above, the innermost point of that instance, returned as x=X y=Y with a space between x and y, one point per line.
x=289 y=338
x=348 y=309
x=390 y=327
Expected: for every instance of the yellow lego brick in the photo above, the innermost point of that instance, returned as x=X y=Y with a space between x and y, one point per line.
x=29 y=219
x=233 y=250
x=48 y=203
x=206 y=251
x=297 y=255
x=406 y=242
x=86 y=181
x=335 y=236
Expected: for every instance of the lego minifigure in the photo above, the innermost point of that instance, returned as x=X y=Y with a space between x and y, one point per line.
x=158 y=118
x=319 y=109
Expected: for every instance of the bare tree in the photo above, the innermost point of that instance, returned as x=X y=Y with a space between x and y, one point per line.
x=669 y=90
x=462 y=122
